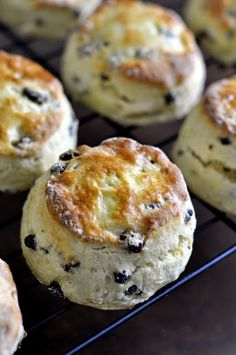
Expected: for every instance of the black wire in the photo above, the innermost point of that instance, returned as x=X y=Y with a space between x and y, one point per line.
x=18 y=43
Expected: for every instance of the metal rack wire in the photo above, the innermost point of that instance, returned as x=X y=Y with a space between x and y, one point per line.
x=38 y=322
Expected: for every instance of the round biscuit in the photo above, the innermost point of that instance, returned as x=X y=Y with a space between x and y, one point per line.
x=36 y=122
x=114 y=224
x=205 y=149
x=136 y=67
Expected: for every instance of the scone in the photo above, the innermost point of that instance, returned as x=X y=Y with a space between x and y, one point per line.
x=135 y=63
x=214 y=23
x=11 y=327
x=206 y=147
x=108 y=226
x=36 y=122
x=45 y=18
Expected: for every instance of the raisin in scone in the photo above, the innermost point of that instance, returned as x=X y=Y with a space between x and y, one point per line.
x=135 y=63
x=45 y=18
x=108 y=226
x=214 y=23
x=205 y=149
x=11 y=327
x=36 y=122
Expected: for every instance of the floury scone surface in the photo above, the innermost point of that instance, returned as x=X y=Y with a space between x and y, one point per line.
x=114 y=224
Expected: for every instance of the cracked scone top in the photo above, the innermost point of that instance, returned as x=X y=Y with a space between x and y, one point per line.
x=205 y=149
x=136 y=67
x=11 y=327
x=35 y=119
x=214 y=22
x=114 y=224
x=46 y=18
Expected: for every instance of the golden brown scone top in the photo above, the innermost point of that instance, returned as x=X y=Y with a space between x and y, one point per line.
x=9 y=307
x=220 y=104
x=117 y=187
x=222 y=11
x=142 y=42
x=30 y=105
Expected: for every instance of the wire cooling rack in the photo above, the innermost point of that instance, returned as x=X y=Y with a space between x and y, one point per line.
x=56 y=326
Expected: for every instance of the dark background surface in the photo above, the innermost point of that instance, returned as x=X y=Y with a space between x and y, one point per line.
x=198 y=318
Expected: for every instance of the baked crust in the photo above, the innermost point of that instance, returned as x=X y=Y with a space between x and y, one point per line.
x=29 y=105
x=220 y=104
x=137 y=186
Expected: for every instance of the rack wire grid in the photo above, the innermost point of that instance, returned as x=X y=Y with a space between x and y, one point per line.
x=56 y=326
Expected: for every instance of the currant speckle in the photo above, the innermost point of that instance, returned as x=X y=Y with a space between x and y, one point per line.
x=133 y=290
x=169 y=98
x=34 y=96
x=180 y=152
x=77 y=13
x=121 y=277
x=30 y=242
x=72 y=265
x=133 y=240
x=22 y=143
x=188 y=215
x=153 y=206
x=68 y=155
x=225 y=141
x=39 y=21
x=204 y=34
x=104 y=77
x=58 y=168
